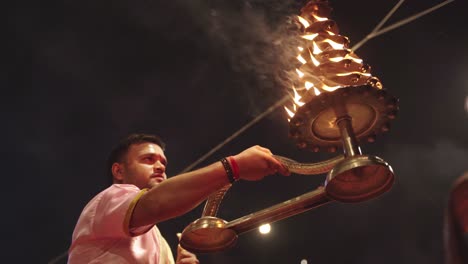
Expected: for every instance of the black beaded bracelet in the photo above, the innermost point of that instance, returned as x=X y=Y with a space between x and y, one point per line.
x=228 y=169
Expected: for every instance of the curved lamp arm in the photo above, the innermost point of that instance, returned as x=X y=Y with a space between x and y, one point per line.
x=213 y=202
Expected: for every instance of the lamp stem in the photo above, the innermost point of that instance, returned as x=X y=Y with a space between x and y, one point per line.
x=350 y=146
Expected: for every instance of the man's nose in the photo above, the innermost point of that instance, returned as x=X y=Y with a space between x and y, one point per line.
x=159 y=166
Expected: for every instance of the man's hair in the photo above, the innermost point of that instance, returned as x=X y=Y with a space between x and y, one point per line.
x=119 y=152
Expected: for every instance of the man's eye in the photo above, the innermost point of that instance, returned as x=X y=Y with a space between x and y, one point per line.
x=149 y=159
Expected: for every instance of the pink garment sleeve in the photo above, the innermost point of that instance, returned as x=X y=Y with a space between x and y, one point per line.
x=114 y=211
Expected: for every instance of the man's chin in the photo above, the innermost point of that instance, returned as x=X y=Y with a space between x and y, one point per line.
x=153 y=182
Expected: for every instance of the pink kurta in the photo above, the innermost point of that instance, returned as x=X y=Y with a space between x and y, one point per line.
x=102 y=235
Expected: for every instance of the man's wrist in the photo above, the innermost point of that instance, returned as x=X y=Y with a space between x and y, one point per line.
x=235 y=168
x=231 y=169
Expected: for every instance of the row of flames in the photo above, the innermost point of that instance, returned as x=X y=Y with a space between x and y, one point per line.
x=326 y=62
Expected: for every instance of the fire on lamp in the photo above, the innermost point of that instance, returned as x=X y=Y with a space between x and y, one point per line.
x=337 y=103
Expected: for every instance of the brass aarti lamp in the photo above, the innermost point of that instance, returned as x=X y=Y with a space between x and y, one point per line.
x=337 y=103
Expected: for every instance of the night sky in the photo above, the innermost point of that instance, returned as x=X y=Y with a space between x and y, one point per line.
x=79 y=75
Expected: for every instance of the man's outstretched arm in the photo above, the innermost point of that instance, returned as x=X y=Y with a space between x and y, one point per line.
x=180 y=194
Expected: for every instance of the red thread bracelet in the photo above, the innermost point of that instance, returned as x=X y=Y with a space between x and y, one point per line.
x=235 y=168
x=228 y=168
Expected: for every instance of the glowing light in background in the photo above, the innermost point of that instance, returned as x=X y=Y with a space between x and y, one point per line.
x=264 y=229
x=304 y=261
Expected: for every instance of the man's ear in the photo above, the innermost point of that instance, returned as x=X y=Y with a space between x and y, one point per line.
x=117 y=172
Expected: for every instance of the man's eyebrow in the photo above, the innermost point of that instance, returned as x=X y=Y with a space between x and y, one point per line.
x=148 y=154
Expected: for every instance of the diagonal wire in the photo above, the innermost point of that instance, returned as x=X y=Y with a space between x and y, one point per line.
x=394 y=9
x=381 y=23
x=398 y=24
x=238 y=132
x=411 y=18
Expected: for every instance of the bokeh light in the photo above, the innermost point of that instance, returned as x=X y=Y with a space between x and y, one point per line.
x=264 y=229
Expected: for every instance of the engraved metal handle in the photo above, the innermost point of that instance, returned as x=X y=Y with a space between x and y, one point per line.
x=214 y=201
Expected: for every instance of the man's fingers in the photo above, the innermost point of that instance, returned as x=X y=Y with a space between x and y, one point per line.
x=179 y=248
x=274 y=165
x=189 y=261
x=264 y=150
x=179 y=251
x=279 y=167
x=186 y=257
x=182 y=252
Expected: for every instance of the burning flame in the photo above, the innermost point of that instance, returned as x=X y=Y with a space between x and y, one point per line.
x=331 y=65
x=337 y=59
x=290 y=113
x=334 y=44
x=301 y=74
x=301 y=59
x=319 y=18
x=303 y=21
x=310 y=36
x=316 y=91
x=316 y=49
x=314 y=60
x=330 y=88
x=297 y=99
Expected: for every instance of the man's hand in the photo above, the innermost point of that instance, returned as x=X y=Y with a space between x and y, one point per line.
x=185 y=257
x=256 y=162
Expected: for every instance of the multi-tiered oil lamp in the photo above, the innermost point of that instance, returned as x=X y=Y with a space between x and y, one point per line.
x=337 y=103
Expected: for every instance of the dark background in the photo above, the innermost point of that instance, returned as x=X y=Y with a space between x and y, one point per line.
x=78 y=75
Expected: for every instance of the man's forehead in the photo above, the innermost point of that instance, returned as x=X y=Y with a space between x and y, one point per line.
x=146 y=147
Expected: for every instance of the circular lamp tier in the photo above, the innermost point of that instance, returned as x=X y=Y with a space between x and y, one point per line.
x=314 y=125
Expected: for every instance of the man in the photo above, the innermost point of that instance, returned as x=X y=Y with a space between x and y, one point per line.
x=118 y=225
x=456 y=223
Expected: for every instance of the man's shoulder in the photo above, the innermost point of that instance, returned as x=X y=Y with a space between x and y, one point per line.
x=119 y=188
x=124 y=187
x=112 y=197
x=115 y=190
